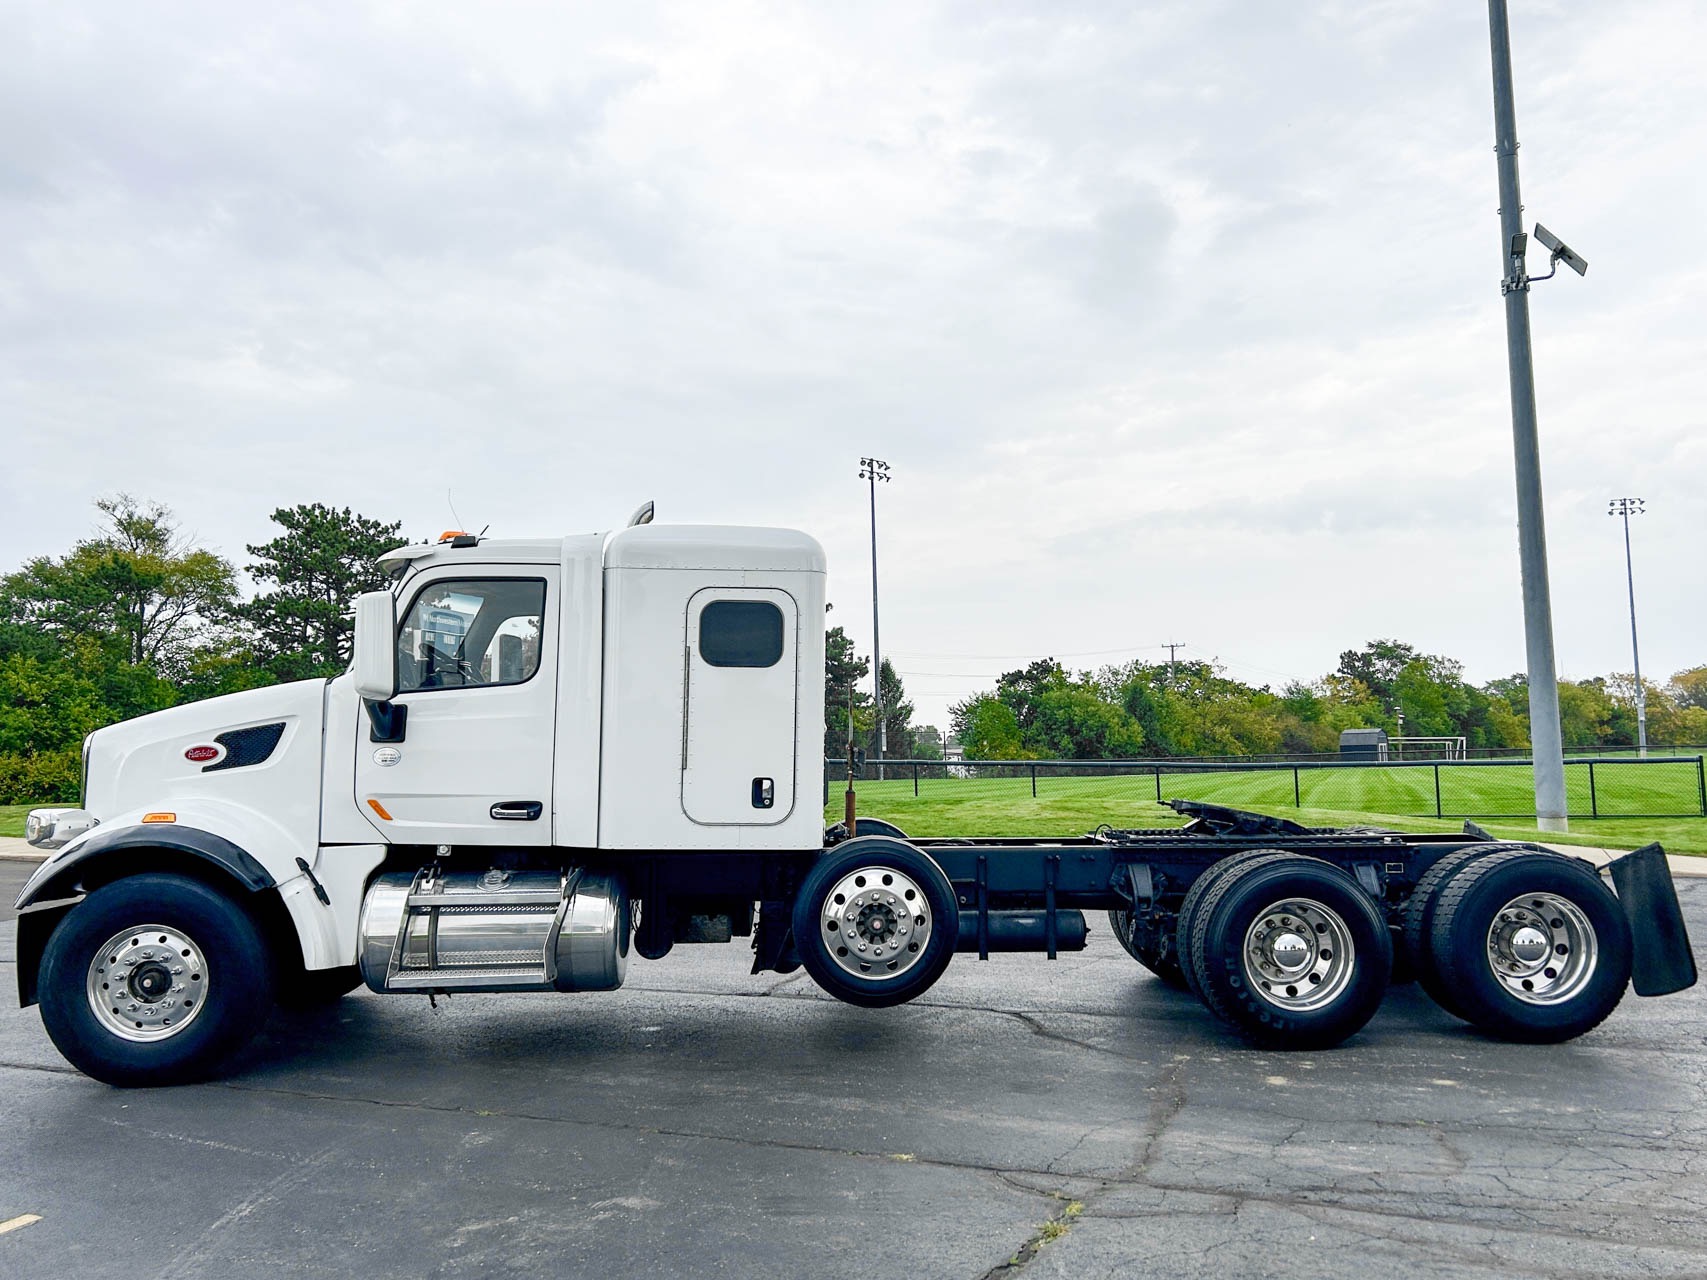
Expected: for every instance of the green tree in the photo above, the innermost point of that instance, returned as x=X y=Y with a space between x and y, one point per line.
x=987 y=729
x=897 y=714
x=324 y=559
x=1689 y=688
x=1585 y=713
x=139 y=588
x=1023 y=690
x=45 y=705
x=844 y=670
x=1073 y=722
x=1377 y=666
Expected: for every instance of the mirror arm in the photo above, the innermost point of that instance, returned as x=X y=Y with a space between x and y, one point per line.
x=387 y=721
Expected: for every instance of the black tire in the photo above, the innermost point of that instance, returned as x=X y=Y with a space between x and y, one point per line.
x=1159 y=960
x=1417 y=919
x=898 y=968
x=230 y=1000
x=1303 y=896
x=1566 y=906
x=1194 y=896
x=316 y=988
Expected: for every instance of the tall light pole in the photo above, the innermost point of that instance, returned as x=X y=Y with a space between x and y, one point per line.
x=872 y=470
x=1545 y=740
x=1627 y=507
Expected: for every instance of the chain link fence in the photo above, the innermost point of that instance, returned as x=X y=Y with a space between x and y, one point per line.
x=1602 y=786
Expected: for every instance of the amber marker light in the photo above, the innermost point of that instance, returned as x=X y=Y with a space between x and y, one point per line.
x=375 y=805
x=159 y=817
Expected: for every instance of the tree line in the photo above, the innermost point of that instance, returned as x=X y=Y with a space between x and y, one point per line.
x=1193 y=708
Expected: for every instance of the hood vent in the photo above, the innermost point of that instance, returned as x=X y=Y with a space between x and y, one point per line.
x=247 y=746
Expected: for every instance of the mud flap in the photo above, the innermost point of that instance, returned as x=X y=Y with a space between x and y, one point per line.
x=1662 y=959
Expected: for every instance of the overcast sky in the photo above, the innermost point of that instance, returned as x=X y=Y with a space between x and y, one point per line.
x=1175 y=321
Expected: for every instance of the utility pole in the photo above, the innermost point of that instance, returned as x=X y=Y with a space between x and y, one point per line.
x=1170 y=647
x=1545 y=740
x=1627 y=507
x=872 y=470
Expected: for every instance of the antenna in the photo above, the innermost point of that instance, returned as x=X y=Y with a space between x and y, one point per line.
x=452 y=506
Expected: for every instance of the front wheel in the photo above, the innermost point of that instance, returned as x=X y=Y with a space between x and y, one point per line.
x=154 y=979
x=876 y=922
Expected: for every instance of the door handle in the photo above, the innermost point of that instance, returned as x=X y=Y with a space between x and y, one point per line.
x=517 y=810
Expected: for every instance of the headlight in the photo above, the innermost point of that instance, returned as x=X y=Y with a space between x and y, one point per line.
x=56 y=828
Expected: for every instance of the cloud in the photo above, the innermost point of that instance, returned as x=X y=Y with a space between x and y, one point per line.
x=1177 y=320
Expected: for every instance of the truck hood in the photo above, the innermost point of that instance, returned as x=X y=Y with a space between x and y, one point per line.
x=204 y=748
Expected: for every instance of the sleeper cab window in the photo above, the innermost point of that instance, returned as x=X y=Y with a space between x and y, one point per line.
x=740 y=633
x=466 y=633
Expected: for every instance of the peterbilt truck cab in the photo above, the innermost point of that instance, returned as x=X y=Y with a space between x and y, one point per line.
x=528 y=729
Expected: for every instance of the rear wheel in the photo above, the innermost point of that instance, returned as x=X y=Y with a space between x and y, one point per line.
x=876 y=922
x=1194 y=896
x=1533 y=946
x=1155 y=954
x=1417 y=919
x=154 y=979
x=1290 y=951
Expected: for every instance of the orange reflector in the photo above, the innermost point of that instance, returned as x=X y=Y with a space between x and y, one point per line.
x=375 y=805
x=159 y=817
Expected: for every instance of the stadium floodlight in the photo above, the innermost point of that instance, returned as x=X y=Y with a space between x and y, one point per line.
x=1627 y=507
x=871 y=470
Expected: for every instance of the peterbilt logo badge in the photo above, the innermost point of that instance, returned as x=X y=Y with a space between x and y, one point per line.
x=385 y=757
x=202 y=754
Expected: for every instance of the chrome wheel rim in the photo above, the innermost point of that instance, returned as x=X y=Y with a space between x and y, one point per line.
x=1298 y=955
x=876 y=923
x=147 y=983
x=1542 y=948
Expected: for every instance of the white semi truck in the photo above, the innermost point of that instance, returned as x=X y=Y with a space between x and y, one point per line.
x=548 y=755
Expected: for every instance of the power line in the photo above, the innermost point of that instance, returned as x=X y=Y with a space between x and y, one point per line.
x=1030 y=653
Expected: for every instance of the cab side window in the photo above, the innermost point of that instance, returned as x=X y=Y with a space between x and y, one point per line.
x=740 y=633
x=469 y=633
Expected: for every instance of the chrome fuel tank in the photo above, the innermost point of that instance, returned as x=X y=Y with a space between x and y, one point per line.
x=495 y=931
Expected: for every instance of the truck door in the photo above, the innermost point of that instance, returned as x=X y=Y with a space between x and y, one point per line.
x=474 y=764
x=740 y=706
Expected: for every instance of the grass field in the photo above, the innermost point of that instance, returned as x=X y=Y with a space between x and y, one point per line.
x=1072 y=806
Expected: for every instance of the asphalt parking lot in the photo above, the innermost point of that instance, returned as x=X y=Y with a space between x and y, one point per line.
x=1076 y=1119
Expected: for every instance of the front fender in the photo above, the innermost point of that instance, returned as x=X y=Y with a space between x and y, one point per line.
x=242 y=848
x=246 y=843
x=63 y=876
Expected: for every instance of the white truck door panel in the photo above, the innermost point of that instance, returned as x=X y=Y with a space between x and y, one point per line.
x=741 y=656
x=476 y=756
